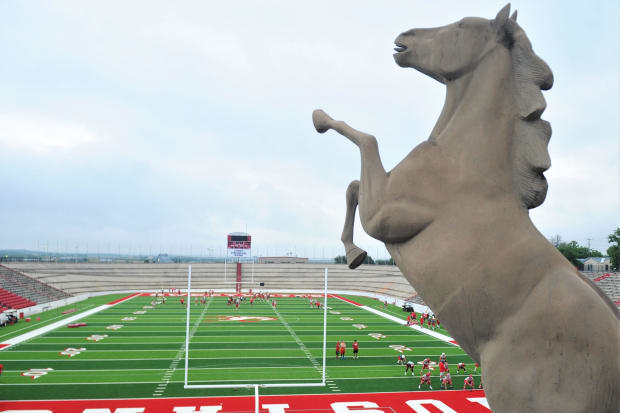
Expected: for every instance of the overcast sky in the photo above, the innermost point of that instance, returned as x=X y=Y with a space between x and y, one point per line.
x=163 y=126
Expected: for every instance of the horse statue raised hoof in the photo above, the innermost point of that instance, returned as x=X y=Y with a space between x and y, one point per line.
x=454 y=216
x=321 y=120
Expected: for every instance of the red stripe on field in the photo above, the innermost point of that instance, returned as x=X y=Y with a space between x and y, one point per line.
x=4 y=345
x=345 y=299
x=403 y=402
x=123 y=299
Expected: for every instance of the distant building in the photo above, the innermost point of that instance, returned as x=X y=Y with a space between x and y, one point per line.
x=282 y=260
x=162 y=259
x=596 y=264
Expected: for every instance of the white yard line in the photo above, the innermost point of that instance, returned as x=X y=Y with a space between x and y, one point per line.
x=251 y=381
x=46 y=329
x=209 y=349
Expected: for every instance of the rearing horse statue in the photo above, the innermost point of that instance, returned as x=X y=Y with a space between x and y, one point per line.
x=454 y=216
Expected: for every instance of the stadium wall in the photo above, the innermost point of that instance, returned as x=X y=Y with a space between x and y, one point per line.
x=85 y=278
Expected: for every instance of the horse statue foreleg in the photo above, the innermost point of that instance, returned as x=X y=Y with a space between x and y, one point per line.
x=355 y=255
x=367 y=192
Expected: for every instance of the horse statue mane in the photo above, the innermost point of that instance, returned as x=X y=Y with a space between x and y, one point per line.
x=531 y=157
x=454 y=216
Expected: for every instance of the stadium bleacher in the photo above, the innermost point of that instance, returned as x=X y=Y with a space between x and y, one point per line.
x=383 y=280
x=609 y=283
x=8 y=300
x=18 y=290
x=87 y=277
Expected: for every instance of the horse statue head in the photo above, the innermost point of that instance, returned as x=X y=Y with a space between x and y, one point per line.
x=451 y=54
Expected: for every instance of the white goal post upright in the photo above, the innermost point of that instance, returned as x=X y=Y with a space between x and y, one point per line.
x=256 y=385
x=189 y=305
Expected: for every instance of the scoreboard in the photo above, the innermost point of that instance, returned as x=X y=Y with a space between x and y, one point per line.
x=239 y=245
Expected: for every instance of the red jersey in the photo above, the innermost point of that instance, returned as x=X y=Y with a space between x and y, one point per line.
x=442 y=367
x=355 y=345
x=425 y=362
x=426 y=378
x=469 y=380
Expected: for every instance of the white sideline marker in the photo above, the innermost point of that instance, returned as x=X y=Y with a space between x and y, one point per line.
x=256 y=386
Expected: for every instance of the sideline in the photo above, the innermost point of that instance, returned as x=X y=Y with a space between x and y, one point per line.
x=46 y=329
x=400 y=321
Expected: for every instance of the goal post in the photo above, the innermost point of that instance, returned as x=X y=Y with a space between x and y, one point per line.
x=256 y=386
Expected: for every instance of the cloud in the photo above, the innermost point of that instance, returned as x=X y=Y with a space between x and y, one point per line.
x=173 y=124
x=41 y=133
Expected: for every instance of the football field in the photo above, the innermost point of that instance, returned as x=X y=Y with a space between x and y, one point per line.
x=136 y=349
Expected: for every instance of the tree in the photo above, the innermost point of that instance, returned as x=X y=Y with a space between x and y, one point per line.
x=556 y=240
x=614 y=250
x=573 y=252
x=340 y=259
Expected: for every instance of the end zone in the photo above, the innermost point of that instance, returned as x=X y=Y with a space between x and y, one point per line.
x=452 y=401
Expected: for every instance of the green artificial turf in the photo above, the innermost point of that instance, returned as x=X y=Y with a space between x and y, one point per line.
x=391 y=309
x=51 y=316
x=132 y=361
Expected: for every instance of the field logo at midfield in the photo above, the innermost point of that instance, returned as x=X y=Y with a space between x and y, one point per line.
x=128 y=318
x=114 y=327
x=72 y=351
x=360 y=326
x=346 y=318
x=139 y=312
x=36 y=373
x=96 y=337
x=399 y=348
x=377 y=336
x=245 y=318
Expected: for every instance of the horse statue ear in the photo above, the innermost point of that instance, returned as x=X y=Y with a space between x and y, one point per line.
x=514 y=16
x=501 y=19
